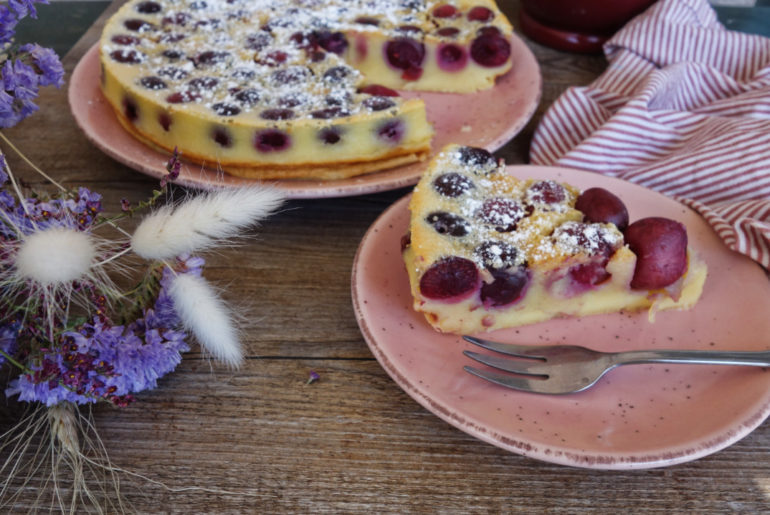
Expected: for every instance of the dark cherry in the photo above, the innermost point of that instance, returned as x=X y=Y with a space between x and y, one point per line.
x=589 y=274
x=172 y=72
x=210 y=57
x=277 y=114
x=225 y=109
x=222 y=137
x=450 y=279
x=125 y=56
x=490 y=50
x=480 y=13
x=391 y=131
x=496 y=254
x=452 y=184
x=451 y=57
x=209 y=24
x=130 y=109
x=448 y=32
x=660 y=245
x=182 y=97
x=476 y=156
x=329 y=135
x=406 y=54
x=258 y=41
x=380 y=91
x=507 y=287
x=334 y=42
x=303 y=40
x=329 y=112
x=153 y=82
x=411 y=5
x=489 y=30
x=125 y=39
x=591 y=238
x=291 y=100
x=206 y=83
x=336 y=73
x=198 y=5
x=173 y=55
x=180 y=18
x=274 y=58
x=271 y=140
x=600 y=206
x=501 y=213
x=547 y=192
x=317 y=56
x=290 y=75
x=410 y=29
x=243 y=74
x=378 y=103
x=164 y=119
x=138 y=25
x=445 y=11
x=148 y=7
x=172 y=37
x=448 y=223
x=366 y=20
x=248 y=97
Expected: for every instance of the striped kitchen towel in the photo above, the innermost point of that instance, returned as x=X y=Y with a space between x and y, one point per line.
x=684 y=109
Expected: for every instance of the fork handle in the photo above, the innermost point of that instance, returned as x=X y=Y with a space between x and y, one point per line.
x=704 y=357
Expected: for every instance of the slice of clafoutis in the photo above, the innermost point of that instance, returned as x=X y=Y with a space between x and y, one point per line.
x=486 y=250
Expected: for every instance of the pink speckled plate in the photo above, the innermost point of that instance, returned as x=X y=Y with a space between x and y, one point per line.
x=637 y=416
x=486 y=119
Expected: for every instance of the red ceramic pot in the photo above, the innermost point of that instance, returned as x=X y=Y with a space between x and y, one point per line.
x=577 y=25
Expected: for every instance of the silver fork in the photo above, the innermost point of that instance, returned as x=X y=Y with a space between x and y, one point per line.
x=558 y=369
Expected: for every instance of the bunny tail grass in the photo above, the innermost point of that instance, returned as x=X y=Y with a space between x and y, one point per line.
x=201 y=221
x=204 y=313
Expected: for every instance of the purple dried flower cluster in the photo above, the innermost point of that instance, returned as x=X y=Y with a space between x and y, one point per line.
x=25 y=69
x=100 y=357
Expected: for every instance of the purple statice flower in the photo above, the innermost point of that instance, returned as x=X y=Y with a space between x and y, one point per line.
x=23 y=8
x=79 y=212
x=8 y=22
x=100 y=361
x=20 y=82
x=46 y=60
x=8 y=334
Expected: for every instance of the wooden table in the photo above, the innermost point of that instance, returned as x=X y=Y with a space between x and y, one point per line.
x=353 y=441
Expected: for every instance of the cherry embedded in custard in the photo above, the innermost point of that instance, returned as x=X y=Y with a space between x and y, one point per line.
x=380 y=91
x=546 y=192
x=329 y=135
x=391 y=131
x=148 y=7
x=480 y=13
x=405 y=54
x=172 y=37
x=450 y=279
x=222 y=137
x=448 y=32
x=378 y=103
x=367 y=20
x=490 y=50
x=153 y=82
x=451 y=57
x=180 y=18
x=496 y=254
x=601 y=206
x=210 y=57
x=182 y=97
x=271 y=140
x=277 y=114
x=501 y=213
x=225 y=109
x=130 y=109
x=507 y=287
x=172 y=72
x=164 y=119
x=329 y=112
x=172 y=55
x=248 y=97
x=589 y=274
x=138 y=25
x=290 y=75
x=259 y=41
x=448 y=224
x=127 y=56
x=204 y=83
x=334 y=42
x=476 y=157
x=452 y=184
x=125 y=39
x=445 y=11
x=336 y=74
x=660 y=245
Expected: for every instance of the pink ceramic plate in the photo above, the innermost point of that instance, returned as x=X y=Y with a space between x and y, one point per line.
x=486 y=119
x=638 y=416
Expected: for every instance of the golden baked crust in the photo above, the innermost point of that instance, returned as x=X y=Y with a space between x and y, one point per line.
x=295 y=88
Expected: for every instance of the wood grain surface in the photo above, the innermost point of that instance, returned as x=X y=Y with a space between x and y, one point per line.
x=352 y=441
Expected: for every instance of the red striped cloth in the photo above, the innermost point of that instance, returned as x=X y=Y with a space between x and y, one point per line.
x=684 y=109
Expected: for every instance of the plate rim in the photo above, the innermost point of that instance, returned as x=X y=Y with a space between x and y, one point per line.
x=741 y=427
x=305 y=189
